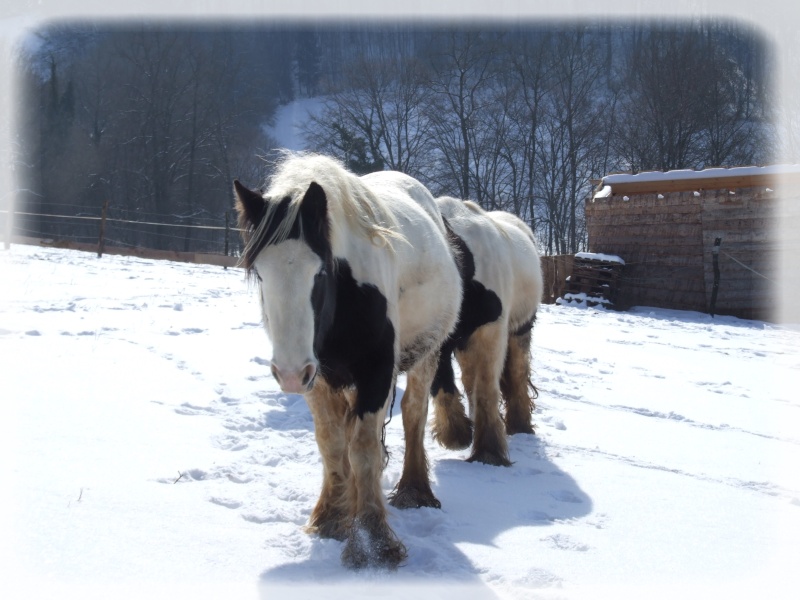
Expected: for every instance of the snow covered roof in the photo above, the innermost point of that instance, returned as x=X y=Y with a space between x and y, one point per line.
x=601 y=257
x=688 y=180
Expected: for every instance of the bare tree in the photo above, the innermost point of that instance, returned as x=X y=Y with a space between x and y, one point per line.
x=462 y=70
x=733 y=116
x=531 y=63
x=375 y=118
x=572 y=137
x=664 y=106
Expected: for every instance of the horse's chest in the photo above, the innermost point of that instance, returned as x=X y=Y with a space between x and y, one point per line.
x=360 y=337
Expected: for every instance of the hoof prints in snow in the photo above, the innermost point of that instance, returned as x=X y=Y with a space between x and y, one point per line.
x=566 y=496
x=564 y=542
x=225 y=502
x=256 y=473
x=188 y=331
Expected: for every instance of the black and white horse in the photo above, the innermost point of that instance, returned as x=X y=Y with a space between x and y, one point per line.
x=502 y=280
x=351 y=272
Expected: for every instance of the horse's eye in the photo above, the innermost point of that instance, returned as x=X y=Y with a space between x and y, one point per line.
x=258 y=276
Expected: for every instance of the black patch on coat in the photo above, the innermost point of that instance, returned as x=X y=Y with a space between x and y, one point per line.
x=479 y=306
x=354 y=338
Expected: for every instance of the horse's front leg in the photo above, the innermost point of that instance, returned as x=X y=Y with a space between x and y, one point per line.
x=451 y=427
x=330 y=517
x=414 y=488
x=370 y=541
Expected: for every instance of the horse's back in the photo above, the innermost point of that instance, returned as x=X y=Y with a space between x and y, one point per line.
x=525 y=262
x=504 y=252
x=490 y=251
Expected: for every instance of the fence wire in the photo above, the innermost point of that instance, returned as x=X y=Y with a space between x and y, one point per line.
x=127 y=233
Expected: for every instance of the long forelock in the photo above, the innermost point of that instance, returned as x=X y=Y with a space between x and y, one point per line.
x=352 y=206
x=268 y=232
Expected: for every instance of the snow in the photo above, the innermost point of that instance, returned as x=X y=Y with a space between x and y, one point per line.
x=147 y=452
x=582 y=299
x=600 y=256
x=291 y=118
x=606 y=187
x=687 y=174
x=604 y=192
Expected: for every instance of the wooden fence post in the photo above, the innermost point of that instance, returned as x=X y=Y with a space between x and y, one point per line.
x=227 y=230
x=715 y=263
x=101 y=242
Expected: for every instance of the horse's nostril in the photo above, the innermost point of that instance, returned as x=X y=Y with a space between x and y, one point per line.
x=308 y=373
x=275 y=373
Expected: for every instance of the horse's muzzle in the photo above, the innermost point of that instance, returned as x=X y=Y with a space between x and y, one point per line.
x=295 y=382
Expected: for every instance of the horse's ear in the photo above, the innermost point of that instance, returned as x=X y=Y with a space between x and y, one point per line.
x=249 y=204
x=314 y=216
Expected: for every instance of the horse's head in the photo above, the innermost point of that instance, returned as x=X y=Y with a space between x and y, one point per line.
x=288 y=250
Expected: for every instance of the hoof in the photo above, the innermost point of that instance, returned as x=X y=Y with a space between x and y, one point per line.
x=328 y=522
x=515 y=428
x=333 y=530
x=373 y=547
x=451 y=426
x=454 y=433
x=410 y=497
x=489 y=458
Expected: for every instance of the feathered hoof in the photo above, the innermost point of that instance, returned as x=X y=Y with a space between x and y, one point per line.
x=412 y=497
x=513 y=428
x=373 y=546
x=452 y=431
x=327 y=521
x=333 y=529
x=489 y=457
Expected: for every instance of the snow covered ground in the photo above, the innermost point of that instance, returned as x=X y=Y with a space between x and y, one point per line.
x=147 y=451
x=290 y=120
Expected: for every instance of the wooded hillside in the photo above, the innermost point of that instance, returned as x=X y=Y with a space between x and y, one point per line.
x=158 y=119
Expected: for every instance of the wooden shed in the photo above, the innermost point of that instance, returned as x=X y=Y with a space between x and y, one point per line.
x=664 y=225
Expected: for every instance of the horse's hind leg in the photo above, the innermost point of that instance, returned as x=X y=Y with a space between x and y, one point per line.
x=481 y=364
x=331 y=516
x=515 y=384
x=414 y=488
x=451 y=427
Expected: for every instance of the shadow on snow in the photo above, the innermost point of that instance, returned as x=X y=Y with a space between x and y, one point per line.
x=480 y=504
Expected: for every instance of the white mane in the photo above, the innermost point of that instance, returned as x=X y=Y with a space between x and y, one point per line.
x=352 y=206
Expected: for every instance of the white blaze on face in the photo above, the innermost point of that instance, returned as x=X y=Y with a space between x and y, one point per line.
x=286 y=273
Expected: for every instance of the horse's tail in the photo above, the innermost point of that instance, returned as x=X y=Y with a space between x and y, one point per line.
x=461 y=254
x=517 y=362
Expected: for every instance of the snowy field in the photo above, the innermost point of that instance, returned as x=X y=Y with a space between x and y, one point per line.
x=147 y=452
